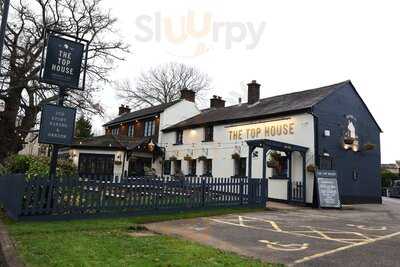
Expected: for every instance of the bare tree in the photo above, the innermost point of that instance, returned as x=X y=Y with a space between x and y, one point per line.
x=21 y=91
x=162 y=84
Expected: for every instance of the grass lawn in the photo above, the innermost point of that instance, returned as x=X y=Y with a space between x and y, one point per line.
x=105 y=242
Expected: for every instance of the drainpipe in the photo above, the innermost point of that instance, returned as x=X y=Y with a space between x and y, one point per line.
x=123 y=165
x=316 y=158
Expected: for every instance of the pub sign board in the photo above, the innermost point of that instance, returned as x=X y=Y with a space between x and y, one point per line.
x=57 y=125
x=328 y=190
x=63 y=62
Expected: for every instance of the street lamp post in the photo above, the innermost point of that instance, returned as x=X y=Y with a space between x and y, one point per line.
x=3 y=26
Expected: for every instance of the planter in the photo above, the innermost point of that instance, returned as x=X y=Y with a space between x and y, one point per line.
x=236 y=156
x=311 y=168
x=348 y=140
x=369 y=146
x=202 y=158
x=272 y=164
x=187 y=157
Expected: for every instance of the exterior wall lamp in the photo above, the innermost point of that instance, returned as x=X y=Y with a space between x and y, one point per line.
x=151 y=145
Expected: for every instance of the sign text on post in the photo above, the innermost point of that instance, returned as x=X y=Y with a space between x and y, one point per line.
x=63 y=62
x=57 y=125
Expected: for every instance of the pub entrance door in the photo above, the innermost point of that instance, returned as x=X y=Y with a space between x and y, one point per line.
x=139 y=166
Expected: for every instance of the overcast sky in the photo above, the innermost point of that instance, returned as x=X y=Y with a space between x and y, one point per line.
x=286 y=46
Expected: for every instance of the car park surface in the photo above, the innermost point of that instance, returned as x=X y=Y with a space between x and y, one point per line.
x=358 y=235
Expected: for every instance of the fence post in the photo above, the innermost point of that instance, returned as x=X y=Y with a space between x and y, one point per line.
x=203 y=192
x=251 y=191
x=264 y=191
x=241 y=191
x=12 y=189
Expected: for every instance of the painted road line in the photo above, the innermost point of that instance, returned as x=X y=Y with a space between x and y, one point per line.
x=273 y=230
x=322 y=234
x=318 y=255
x=272 y=223
x=284 y=247
x=368 y=228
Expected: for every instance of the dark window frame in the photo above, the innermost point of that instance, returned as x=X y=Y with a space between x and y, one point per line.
x=240 y=167
x=208 y=134
x=131 y=130
x=115 y=131
x=284 y=172
x=207 y=167
x=192 y=170
x=149 y=128
x=90 y=164
x=167 y=167
x=179 y=137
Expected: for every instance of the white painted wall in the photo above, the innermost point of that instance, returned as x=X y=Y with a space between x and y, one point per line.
x=176 y=113
x=222 y=148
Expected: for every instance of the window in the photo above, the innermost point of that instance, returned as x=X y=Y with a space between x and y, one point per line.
x=240 y=167
x=149 y=128
x=207 y=168
x=192 y=167
x=167 y=167
x=114 y=131
x=281 y=170
x=96 y=164
x=177 y=167
x=179 y=137
x=131 y=130
x=209 y=134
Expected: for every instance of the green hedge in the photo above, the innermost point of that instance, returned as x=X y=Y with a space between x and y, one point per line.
x=34 y=166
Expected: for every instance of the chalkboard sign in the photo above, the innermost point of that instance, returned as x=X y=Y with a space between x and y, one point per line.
x=57 y=125
x=328 y=191
x=63 y=62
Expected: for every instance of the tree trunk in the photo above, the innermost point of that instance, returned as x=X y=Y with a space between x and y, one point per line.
x=9 y=142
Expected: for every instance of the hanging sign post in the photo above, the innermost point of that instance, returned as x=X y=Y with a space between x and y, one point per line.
x=64 y=63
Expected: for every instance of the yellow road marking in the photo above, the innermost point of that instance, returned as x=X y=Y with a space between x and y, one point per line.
x=318 y=255
x=273 y=230
x=272 y=223
x=368 y=228
x=284 y=247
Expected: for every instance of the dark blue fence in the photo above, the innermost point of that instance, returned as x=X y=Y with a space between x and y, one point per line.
x=70 y=198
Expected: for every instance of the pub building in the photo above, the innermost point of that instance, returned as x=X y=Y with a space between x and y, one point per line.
x=282 y=138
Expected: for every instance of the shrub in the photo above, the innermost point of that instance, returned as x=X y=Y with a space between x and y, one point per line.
x=387 y=178
x=17 y=163
x=34 y=166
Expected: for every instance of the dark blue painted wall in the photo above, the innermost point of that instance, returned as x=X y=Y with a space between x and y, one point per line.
x=331 y=113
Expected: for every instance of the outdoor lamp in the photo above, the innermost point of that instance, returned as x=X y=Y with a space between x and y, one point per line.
x=151 y=145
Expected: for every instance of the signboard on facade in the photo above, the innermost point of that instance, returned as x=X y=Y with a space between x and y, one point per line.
x=57 y=125
x=328 y=190
x=63 y=62
x=261 y=130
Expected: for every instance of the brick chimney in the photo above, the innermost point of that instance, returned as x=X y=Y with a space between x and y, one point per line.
x=187 y=94
x=123 y=109
x=217 y=102
x=253 y=92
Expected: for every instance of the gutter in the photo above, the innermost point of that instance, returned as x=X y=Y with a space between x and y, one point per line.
x=226 y=121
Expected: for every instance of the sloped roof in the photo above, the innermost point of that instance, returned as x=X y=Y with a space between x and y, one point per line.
x=275 y=105
x=110 y=141
x=141 y=113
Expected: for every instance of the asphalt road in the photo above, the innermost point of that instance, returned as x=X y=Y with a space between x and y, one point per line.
x=359 y=235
